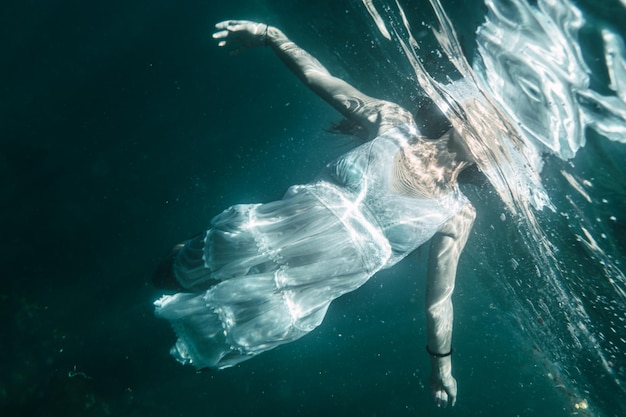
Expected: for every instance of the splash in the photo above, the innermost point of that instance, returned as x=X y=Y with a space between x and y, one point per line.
x=528 y=99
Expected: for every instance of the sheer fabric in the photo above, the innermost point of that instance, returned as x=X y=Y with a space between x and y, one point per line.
x=264 y=274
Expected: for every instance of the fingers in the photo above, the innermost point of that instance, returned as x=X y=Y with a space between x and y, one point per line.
x=231 y=24
x=225 y=28
x=225 y=36
x=450 y=389
x=228 y=26
x=223 y=42
x=444 y=396
x=220 y=35
x=451 y=399
x=239 y=33
x=441 y=398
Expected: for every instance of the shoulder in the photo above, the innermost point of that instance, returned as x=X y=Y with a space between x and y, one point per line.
x=384 y=115
x=460 y=224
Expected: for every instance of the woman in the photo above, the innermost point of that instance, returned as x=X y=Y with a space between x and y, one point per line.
x=264 y=274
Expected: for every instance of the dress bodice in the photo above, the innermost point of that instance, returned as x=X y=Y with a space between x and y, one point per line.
x=365 y=175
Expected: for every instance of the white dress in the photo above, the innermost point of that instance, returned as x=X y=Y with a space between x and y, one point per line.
x=264 y=274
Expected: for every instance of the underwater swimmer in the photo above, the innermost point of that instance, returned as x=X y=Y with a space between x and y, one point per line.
x=264 y=274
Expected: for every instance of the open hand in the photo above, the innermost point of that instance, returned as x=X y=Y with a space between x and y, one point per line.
x=240 y=34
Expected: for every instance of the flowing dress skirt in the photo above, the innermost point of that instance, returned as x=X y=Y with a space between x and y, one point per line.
x=264 y=274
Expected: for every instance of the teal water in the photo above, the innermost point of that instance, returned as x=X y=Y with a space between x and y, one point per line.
x=124 y=129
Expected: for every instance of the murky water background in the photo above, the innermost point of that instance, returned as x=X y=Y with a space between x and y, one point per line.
x=124 y=129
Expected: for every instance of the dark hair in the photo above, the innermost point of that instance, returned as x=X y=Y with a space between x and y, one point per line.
x=431 y=122
x=349 y=127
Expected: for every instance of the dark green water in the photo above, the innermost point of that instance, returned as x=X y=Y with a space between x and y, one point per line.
x=123 y=130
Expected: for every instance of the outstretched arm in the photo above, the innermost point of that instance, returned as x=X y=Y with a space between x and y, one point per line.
x=445 y=251
x=373 y=114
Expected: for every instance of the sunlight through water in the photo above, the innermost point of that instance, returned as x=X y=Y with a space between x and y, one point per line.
x=527 y=104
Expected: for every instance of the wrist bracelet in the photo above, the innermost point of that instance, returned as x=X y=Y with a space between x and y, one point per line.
x=438 y=355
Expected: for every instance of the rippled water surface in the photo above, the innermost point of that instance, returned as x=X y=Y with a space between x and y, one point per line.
x=548 y=132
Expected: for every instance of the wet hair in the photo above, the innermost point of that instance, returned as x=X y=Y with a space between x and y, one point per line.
x=349 y=127
x=431 y=122
x=472 y=175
